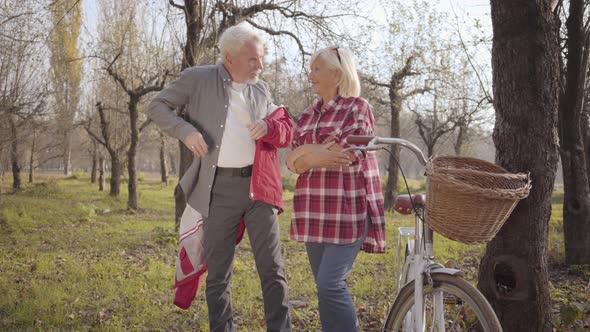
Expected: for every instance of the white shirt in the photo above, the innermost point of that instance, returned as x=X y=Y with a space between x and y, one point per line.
x=237 y=147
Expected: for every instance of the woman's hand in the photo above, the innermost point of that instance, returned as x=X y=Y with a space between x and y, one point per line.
x=309 y=156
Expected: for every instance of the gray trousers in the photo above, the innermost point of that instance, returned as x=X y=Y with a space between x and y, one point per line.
x=229 y=203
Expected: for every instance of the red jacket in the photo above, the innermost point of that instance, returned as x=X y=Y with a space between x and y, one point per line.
x=266 y=184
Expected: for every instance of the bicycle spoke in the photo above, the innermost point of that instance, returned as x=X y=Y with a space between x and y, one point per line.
x=462 y=308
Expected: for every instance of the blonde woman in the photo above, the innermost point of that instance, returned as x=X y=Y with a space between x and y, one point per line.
x=338 y=204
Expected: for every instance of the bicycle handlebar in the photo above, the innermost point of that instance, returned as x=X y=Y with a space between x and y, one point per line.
x=371 y=143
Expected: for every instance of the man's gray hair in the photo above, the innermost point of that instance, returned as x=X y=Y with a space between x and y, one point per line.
x=233 y=38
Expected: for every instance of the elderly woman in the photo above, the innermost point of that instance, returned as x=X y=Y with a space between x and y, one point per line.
x=338 y=204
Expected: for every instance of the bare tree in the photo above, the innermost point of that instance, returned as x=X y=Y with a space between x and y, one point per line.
x=106 y=139
x=135 y=93
x=513 y=272
x=412 y=37
x=66 y=71
x=433 y=125
x=22 y=84
x=397 y=95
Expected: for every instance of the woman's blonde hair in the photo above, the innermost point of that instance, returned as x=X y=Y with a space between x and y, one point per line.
x=339 y=58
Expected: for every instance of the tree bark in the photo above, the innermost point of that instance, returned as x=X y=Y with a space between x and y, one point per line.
x=586 y=136
x=395 y=102
x=186 y=158
x=101 y=174
x=576 y=200
x=460 y=139
x=94 y=162
x=163 y=167
x=132 y=154
x=194 y=26
x=16 y=181
x=172 y=163
x=32 y=158
x=115 y=176
x=513 y=272
x=67 y=153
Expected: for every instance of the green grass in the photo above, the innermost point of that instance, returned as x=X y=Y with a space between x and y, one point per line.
x=73 y=258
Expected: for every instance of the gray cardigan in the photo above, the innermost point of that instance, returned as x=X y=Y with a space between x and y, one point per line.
x=203 y=90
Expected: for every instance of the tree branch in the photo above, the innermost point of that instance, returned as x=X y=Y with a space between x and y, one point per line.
x=371 y=80
x=145 y=125
x=416 y=91
x=280 y=32
x=94 y=136
x=115 y=76
x=177 y=6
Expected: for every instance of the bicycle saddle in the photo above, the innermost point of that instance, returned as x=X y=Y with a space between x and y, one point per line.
x=403 y=204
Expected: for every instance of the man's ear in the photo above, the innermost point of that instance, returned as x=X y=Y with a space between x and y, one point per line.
x=227 y=59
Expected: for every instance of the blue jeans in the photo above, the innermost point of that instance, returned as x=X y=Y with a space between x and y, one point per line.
x=331 y=264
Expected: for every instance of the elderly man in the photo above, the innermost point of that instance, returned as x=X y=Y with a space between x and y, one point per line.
x=233 y=131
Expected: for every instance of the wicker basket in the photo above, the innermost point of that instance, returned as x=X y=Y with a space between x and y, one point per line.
x=469 y=199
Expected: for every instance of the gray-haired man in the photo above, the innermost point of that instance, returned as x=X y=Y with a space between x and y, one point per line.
x=230 y=114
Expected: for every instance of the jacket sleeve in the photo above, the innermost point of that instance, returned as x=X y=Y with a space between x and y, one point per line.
x=161 y=109
x=280 y=128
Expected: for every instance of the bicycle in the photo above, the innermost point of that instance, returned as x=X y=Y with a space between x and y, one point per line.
x=431 y=297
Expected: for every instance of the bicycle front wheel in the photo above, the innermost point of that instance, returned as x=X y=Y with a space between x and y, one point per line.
x=450 y=304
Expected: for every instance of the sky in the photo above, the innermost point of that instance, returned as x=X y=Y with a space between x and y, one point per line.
x=474 y=9
x=466 y=10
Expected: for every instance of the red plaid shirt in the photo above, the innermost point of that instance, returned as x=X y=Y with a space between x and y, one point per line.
x=331 y=205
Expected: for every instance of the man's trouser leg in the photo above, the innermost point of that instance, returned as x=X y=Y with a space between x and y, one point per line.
x=228 y=203
x=263 y=230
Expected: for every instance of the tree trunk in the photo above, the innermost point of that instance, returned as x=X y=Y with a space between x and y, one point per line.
x=115 y=175
x=460 y=139
x=576 y=199
x=101 y=174
x=67 y=153
x=132 y=203
x=513 y=272
x=392 y=167
x=16 y=181
x=186 y=158
x=194 y=26
x=430 y=149
x=94 y=162
x=163 y=167
x=586 y=136
x=172 y=163
x=32 y=158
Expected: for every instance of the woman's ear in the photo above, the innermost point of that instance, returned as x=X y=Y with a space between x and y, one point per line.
x=337 y=75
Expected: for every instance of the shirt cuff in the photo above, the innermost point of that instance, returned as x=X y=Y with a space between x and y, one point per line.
x=186 y=130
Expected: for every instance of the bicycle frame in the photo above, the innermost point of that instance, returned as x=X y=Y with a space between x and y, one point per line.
x=419 y=262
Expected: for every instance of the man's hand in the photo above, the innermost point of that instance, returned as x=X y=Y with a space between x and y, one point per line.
x=257 y=129
x=196 y=144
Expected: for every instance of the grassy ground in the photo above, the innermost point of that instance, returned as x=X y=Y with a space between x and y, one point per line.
x=73 y=258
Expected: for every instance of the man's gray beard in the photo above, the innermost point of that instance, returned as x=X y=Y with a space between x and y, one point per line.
x=255 y=80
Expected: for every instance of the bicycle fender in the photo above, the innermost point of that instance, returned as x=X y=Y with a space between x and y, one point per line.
x=448 y=271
